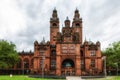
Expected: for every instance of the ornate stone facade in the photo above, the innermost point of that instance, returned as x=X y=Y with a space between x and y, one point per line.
x=65 y=53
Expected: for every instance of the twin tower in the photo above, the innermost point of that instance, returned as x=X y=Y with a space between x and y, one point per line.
x=69 y=34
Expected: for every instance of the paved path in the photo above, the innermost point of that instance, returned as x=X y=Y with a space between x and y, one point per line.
x=73 y=78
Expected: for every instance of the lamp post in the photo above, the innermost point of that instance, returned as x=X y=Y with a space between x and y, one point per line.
x=104 y=58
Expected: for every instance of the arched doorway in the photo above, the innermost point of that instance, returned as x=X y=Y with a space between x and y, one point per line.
x=68 y=67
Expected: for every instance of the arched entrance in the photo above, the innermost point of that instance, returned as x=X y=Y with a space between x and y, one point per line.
x=68 y=67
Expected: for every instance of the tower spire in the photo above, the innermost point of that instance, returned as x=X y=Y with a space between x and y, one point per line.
x=76 y=14
x=67 y=22
x=43 y=41
x=54 y=8
x=54 y=14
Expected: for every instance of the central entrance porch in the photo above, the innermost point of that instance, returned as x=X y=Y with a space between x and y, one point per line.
x=68 y=67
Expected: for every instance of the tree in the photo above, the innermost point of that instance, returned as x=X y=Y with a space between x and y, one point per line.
x=8 y=54
x=113 y=54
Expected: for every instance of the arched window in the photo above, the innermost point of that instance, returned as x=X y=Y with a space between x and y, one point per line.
x=77 y=24
x=54 y=24
x=26 y=63
x=67 y=63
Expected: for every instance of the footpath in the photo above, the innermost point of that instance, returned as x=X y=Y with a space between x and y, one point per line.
x=73 y=78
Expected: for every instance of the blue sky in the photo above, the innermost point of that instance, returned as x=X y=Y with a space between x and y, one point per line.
x=24 y=21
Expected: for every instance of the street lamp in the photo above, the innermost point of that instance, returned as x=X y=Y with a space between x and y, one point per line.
x=104 y=58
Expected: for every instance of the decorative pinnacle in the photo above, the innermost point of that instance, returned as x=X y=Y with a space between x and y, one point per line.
x=76 y=9
x=67 y=18
x=54 y=9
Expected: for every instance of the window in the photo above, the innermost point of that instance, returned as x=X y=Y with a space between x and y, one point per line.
x=81 y=53
x=41 y=64
x=26 y=63
x=92 y=53
x=53 y=52
x=32 y=61
x=41 y=51
x=82 y=64
x=77 y=25
x=53 y=63
x=92 y=63
x=54 y=24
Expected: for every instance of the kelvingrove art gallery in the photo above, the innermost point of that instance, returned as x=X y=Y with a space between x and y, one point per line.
x=65 y=54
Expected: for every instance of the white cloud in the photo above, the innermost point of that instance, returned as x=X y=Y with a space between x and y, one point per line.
x=24 y=21
x=12 y=20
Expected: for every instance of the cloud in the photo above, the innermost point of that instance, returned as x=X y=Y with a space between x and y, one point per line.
x=24 y=21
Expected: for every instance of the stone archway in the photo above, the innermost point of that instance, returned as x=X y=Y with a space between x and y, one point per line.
x=68 y=67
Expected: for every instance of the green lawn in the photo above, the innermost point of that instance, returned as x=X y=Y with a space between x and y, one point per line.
x=15 y=77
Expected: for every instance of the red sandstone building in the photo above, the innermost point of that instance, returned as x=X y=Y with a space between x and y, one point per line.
x=65 y=53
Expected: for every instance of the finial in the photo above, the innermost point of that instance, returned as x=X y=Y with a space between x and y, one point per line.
x=43 y=39
x=67 y=18
x=54 y=9
x=76 y=9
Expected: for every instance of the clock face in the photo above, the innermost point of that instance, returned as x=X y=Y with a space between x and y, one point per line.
x=68 y=48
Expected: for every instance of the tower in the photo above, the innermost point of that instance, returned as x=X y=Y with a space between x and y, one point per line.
x=77 y=24
x=67 y=22
x=54 y=27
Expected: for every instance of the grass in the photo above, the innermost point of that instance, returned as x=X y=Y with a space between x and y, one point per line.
x=20 y=77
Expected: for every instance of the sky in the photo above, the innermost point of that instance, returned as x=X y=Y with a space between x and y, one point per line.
x=24 y=21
